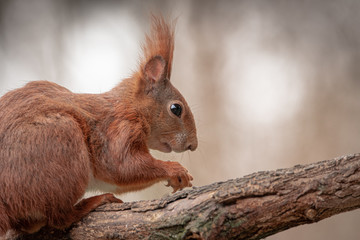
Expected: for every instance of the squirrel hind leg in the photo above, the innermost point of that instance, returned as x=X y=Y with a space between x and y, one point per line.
x=89 y=204
x=33 y=227
x=81 y=209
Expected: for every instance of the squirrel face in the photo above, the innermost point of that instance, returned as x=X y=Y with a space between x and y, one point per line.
x=173 y=126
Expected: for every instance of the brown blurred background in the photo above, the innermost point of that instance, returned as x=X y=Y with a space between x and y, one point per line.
x=271 y=83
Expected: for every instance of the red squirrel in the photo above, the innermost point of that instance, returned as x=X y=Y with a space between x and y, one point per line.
x=53 y=142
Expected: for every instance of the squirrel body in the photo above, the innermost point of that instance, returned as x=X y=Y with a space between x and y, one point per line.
x=54 y=143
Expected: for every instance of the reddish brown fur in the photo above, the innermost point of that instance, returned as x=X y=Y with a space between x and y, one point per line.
x=160 y=42
x=53 y=141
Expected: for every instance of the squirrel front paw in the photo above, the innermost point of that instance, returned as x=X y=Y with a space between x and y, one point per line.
x=178 y=176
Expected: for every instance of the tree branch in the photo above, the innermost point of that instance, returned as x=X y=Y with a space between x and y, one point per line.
x=252 y=207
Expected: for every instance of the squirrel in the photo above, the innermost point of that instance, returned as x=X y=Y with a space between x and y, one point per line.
x=54 y=143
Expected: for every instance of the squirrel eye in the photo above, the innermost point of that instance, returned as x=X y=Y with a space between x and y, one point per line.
x=176 y=109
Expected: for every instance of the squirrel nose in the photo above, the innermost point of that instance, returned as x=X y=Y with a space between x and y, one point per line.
x=192 y=146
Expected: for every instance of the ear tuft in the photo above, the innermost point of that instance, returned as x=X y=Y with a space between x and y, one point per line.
x=154 y=69
x=159 y=42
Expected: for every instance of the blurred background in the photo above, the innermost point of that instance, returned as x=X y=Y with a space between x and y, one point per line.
x=271 y=83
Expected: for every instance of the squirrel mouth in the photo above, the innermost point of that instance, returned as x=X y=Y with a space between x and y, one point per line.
x=166 y=147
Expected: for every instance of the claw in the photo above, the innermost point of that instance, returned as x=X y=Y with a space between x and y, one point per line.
x=179 y=177
x=175 y=189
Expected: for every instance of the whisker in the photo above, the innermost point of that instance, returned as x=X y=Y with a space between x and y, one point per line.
x=189 y=155
x=169 y=132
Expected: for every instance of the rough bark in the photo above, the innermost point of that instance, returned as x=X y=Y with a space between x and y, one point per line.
x=252 y=207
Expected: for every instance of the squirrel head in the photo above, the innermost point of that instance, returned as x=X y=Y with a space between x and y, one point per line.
x=172 y=125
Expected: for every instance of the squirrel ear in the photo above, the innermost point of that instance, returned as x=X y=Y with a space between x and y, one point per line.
x=154 y=69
